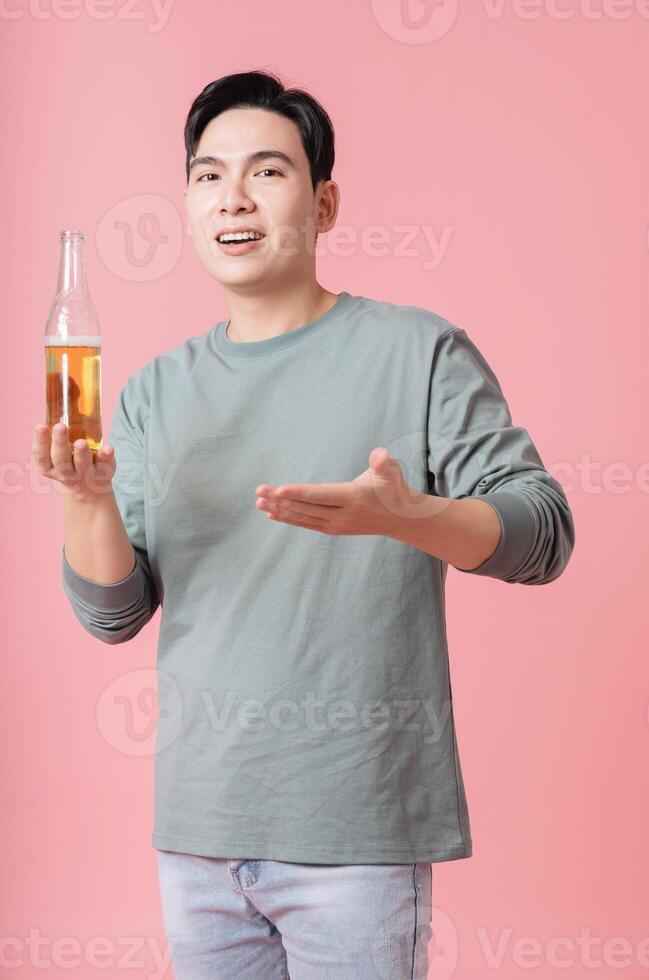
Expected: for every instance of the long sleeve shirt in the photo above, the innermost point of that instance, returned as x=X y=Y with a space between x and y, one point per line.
x=304 y=686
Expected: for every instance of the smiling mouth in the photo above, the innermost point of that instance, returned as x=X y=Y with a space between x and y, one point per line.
x=227 y=239
x=242 y=247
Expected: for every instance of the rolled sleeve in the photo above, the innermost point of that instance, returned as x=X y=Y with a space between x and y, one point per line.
x=117 y=611
x=113 y=612
x=475 y=450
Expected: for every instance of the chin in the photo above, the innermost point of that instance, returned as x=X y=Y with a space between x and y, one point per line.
x=229 y=278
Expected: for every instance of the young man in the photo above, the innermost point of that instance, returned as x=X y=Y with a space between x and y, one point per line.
x=290 y=487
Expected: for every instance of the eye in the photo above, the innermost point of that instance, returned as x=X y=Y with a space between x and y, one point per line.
x=266 y=170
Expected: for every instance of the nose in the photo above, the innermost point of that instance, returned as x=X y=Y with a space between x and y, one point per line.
x=234 y=198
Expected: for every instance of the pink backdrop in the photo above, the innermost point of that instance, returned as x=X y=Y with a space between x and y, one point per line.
x=493 y=164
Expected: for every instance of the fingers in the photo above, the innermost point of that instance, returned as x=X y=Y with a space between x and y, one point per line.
x=103 y=460
x=82 y=458
x=91 y=466
x=41 y=448
x=70 y=466
x=60 y=451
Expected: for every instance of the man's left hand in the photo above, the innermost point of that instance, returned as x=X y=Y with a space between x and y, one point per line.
x=372 y=503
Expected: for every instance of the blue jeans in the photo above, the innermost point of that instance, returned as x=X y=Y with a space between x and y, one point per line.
x=239 y=920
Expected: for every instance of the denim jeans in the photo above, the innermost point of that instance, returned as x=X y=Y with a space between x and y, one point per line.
x=238 y=920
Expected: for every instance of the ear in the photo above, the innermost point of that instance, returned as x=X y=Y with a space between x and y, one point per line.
x=328 y=205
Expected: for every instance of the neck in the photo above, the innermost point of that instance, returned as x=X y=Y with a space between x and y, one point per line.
x=260 y=316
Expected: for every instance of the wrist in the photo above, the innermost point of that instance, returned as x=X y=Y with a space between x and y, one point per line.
x=404 y=523
x=97 y=498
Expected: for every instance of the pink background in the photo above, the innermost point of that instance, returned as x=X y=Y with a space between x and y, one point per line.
x=519 y=138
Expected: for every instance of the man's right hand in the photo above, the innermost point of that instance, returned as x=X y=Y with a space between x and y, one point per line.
x=85 y=476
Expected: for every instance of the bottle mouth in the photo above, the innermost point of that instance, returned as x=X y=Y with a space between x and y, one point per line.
x=69 y=234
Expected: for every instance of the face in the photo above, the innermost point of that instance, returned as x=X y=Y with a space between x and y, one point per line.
x=273 y=195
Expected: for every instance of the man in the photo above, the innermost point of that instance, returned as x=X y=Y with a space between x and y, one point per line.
x=308 y=772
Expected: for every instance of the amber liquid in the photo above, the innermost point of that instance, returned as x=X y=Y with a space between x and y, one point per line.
x=73 y=387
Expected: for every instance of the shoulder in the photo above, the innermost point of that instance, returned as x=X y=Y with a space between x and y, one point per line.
x=152 y=380
x=168 y=364
x=404 y=321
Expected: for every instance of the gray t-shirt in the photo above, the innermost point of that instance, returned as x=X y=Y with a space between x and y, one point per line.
x=303 y=678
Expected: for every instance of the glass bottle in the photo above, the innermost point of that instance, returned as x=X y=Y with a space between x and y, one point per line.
x=73 y=349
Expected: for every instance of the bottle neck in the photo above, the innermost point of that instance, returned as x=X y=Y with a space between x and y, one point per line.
x=72 y=274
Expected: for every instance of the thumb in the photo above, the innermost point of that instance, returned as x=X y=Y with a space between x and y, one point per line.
x=380 y=460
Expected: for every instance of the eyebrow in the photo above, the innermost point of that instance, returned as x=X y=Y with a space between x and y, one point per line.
x=250 y=158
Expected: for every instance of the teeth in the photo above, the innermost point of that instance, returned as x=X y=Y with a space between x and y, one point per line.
x=241 y=237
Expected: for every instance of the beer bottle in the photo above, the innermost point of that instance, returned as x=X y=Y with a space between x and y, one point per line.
x=73 y=350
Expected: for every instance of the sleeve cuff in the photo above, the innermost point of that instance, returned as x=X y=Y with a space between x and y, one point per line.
x=518 y=535
x=108 y=597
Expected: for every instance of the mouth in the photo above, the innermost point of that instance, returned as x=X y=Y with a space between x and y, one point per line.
x=239 y=243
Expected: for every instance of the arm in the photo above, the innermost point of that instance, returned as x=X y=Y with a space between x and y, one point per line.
x=463 y=533
x=104 y=563
x=96 y=544
x=478 y=458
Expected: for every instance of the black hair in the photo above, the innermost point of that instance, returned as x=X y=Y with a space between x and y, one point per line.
x=265 y=90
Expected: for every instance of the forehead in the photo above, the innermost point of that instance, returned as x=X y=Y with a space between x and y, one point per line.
x=236 y=132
